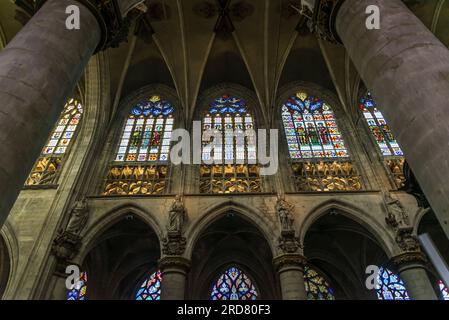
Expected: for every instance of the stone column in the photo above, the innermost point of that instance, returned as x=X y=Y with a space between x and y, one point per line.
x=174 y=271
x=290 y=268
x=39 y=69
x=411 y=267
x=407 y=69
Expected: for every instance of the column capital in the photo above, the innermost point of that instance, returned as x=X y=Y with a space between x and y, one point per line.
x=113 y=24
x=293 y=260
x=322 y=18
x=409 y=260
x=174 y=262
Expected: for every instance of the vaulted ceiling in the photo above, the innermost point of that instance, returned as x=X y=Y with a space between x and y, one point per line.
x=191 y=45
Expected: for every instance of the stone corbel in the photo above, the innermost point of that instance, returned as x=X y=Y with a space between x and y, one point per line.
x=322 y=18
x=114 y=26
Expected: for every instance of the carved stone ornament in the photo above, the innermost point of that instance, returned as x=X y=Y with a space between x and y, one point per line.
x=289 y=260
x=174 y=262
x=289 y=243
x=283 y=210
x=408 y=258
x=79 y=216
x=176 y=217
x=173 y=245
x=321 y=15
x=66 y=246
x=114 y=27
x=396 y=215
x=406 y=240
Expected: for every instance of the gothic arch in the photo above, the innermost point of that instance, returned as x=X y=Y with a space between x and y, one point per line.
x=111 y=218
x=358 y=215
x=209 y=95
x=120 y=115
x=219 y=240
x=118 y=250
x=312 y=89
x=216 y=212
x=9 y=250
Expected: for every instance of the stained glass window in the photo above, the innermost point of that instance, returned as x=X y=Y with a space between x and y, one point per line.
x=150 y=288
x=320 y=159
x=390 y=286
x=78 y=292
x=234 y=157
x=141 y=162
x=234 y=284
x=444 y=291
x=317 y=288
x=49 y=163
x=147 y=133
x=311 y=129
x=385 y=139
x=379 y=127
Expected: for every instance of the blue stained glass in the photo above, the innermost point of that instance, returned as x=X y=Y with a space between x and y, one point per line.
x=79 y=290
x=444 y=291
x=390 y=286
x=153 y=107
x=150 y=289
x=379 y=128
x=367 y=101
x=227 y=104
x=234 y=284
x=311 y=129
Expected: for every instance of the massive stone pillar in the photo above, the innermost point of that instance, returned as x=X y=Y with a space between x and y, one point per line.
x=290 y=268
x=39 y=69
x=411 y=267
x=407 y=69
x=174 y=274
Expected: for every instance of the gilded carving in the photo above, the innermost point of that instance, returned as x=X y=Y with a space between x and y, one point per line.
x=326 y=176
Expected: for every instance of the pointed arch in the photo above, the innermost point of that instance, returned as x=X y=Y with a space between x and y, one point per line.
x=9 y=253
x=349 y=210
x=112 y=217
x=234 y=284
x=316 y=137
x=229 y=145
x=386 y=144
x=48 y=166
x=216 y=212
x=139 y=160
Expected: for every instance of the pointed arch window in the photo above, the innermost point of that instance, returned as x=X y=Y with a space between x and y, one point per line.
x=385 y=140
x=47 y=168
x=317 y=287
x=150 y=289
x=234 y=284
x=320 y=158
x=141 y=163
x=234 y=166
x=390 y=286
x=79 y=290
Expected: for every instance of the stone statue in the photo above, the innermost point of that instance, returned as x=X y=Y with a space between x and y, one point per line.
x=396 y=215
x=283 y=210
x=176 y=216
x=78 y=217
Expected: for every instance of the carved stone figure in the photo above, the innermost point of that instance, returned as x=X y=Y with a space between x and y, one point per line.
x=176 y=216
x=283 y=209
x=78 y=217
x=396 y=215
